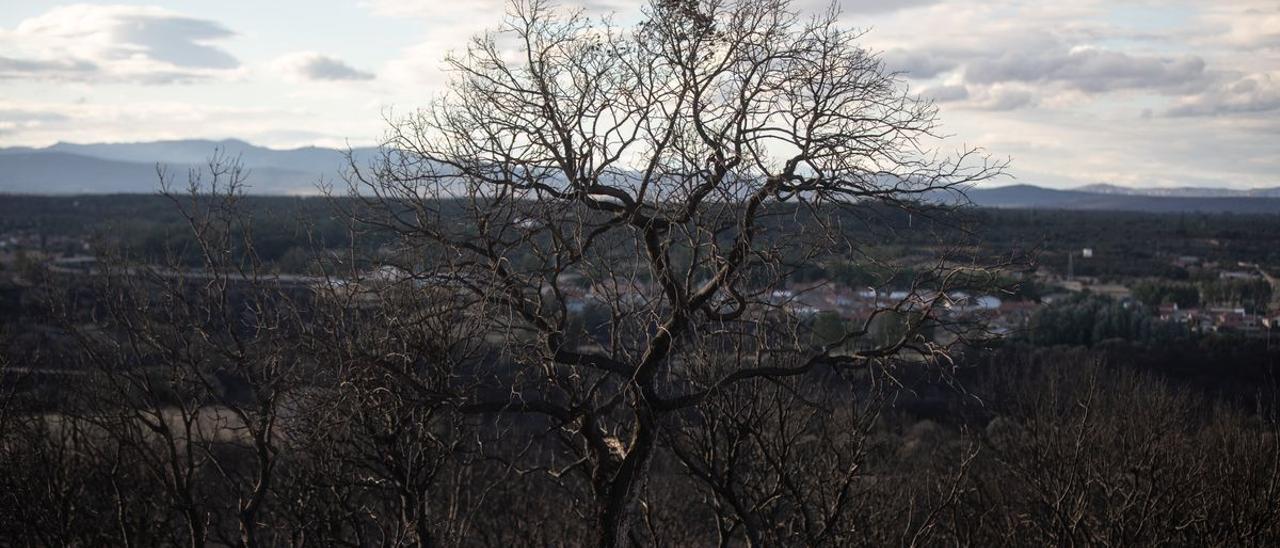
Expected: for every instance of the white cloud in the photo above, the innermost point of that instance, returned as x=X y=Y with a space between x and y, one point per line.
x=450 y=26
x=1249 y=95
x=115 y=43
x=485 y=12
x=1245 y=25
x=1078 y=74
x=429 y=9
x=1003 y=98
x=918 y=64
x=312 y=66
x=946 y=93
x=1091 y=70
x=44 y=122
x=882 y=6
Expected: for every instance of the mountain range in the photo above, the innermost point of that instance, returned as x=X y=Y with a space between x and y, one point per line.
x=1034 y=197
x=67 y=168
x=1181 y=192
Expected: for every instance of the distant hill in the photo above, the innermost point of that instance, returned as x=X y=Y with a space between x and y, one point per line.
x=1183 y=192
x=63 y=173
x=1034 y=197
x=307 y=159
x=67 y=168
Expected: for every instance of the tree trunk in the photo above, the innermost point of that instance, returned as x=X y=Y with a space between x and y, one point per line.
x=619 y=492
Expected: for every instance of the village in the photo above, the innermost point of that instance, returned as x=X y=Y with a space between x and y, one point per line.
x=1230 y=298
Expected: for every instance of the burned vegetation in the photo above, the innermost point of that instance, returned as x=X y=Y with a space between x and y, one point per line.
x=566 y=308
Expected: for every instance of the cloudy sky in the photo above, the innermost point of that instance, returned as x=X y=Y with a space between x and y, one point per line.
x=1129 y=92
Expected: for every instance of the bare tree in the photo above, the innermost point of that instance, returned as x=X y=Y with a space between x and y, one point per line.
x=187 y=372
x=1081 y=453
x=671 y=177
x=390 y=434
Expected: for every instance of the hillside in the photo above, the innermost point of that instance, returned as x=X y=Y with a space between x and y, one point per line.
x=1034 y=197
x=1185 y=192
x=67 y=168
x=64 y=173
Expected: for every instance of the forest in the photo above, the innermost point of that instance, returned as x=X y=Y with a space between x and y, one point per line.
x=239 y=411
